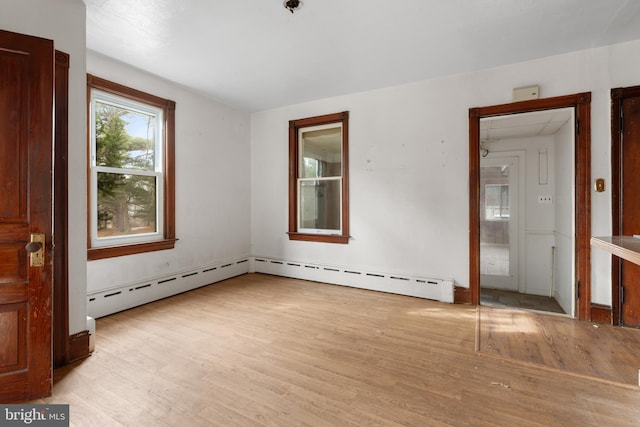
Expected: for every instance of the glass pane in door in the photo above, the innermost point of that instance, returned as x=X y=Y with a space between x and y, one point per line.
x=494 y=220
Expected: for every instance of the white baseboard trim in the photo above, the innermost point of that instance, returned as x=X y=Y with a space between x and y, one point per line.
x=113 y=300
x=131 y=295
x=417 y=286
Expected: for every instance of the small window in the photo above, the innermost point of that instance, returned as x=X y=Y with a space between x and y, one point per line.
x=131 y=184
x=496 y=202
x=318 y=179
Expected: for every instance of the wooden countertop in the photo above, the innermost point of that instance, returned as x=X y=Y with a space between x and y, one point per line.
x=625 y=247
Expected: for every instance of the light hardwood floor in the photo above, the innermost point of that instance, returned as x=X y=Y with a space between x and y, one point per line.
x=263 y=350
x=558 y=342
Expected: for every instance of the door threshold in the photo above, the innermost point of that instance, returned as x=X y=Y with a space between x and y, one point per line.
x=531 y=310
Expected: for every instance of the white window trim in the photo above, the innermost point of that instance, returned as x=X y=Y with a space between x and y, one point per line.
x=326 y=178
x=158 y=173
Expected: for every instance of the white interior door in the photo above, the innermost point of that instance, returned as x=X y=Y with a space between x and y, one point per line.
x=499 y=231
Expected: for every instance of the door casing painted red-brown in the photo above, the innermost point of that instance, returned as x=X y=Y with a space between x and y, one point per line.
x=581 y=103
x=625 y=187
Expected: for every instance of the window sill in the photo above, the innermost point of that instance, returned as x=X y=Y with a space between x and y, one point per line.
x=116 y=251
x=325 y=238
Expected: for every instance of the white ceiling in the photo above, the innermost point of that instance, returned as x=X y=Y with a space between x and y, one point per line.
x=255 y=55
x=537 y=123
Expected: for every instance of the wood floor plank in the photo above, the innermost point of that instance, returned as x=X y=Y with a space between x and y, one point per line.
x=602 y=351
x=261 y=350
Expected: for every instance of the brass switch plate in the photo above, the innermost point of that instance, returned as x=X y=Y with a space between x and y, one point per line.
x=36 y=259
x=599 y=185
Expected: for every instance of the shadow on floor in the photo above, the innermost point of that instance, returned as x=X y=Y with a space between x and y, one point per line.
x=611 y=353
x=500 y=298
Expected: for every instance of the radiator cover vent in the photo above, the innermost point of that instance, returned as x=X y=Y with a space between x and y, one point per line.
x=109 y=301
x=416 y=286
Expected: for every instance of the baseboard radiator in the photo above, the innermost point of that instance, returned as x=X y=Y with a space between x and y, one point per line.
x=422 y=287
x=123 y=297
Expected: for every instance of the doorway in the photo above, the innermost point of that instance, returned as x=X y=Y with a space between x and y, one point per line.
x=531 y=239
x=530 y=157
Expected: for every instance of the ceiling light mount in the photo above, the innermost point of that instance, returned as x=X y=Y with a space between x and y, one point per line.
x=292 y=5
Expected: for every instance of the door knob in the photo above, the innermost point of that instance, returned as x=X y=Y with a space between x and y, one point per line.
x=32 y=247
x=35 y=248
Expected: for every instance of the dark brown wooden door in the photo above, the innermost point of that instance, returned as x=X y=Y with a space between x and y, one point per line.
x=26 y=113
x=626 y=201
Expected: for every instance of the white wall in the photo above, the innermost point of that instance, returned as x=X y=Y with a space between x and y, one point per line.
x=63 y=21
x=409 y=164
x=212 y=183
x=564 y=273
x=397 y=218
x=540 y=219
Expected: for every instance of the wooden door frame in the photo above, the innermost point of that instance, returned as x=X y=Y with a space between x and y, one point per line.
x=60 y=213
x=66 y=348
x=581 y=103
x=617 y=97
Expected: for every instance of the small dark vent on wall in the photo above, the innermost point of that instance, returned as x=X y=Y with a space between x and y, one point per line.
x=310 y=266
x=260 y=260
x=277 y=262
x=332 y=269
x=242 y=261
x=226 y=265
x=112 y=294
x=375 y=275
x=352 y=272
x=166 y=280
x=398 y=278
x=293 y=264
x=209 y=269
x=190 y=274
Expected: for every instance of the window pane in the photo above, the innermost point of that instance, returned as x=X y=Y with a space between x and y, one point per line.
x=504 y=200
x=321 y=153
x=124 y=138
x=496 y=201
x=320 y=204
x=126 y=204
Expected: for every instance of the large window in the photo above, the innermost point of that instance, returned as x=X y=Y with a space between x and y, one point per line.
x=319 y=179
x=131 y=171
